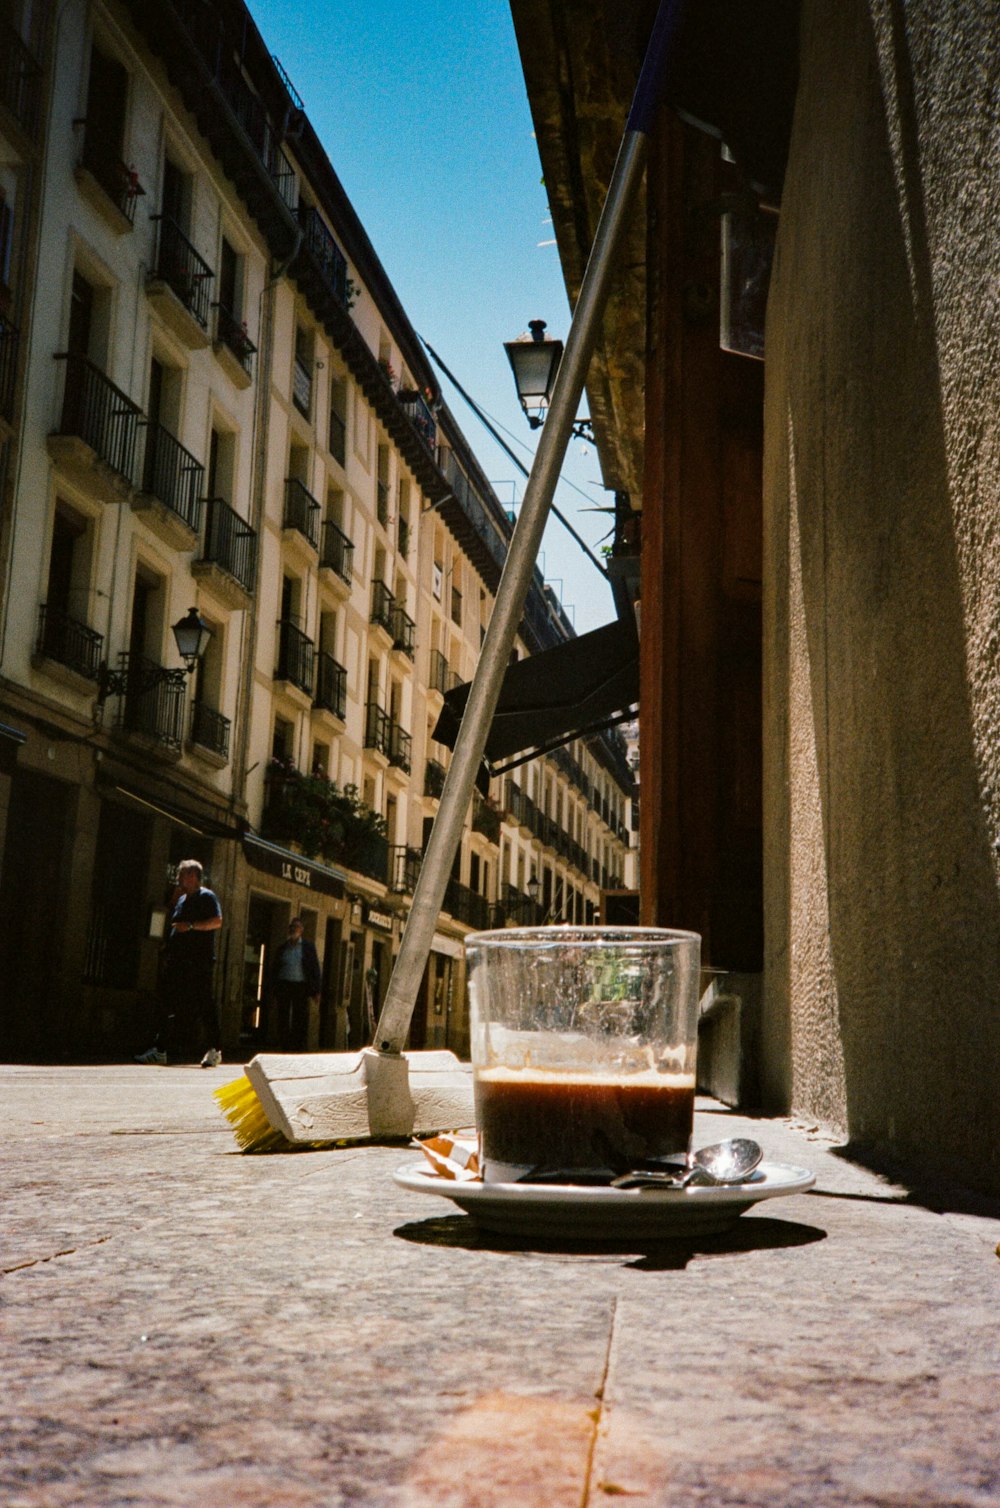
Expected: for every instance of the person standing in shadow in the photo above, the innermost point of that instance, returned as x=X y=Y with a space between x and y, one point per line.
x=295 y=982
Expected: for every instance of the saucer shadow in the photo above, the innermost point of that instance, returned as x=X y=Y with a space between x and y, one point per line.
x=762 y=1233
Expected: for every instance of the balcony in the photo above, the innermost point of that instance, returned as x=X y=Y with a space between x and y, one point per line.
x=336 y=551
x=296 y=654
x=171 y=487
x=485 y=818
x=466 y=905
x=20 y=81
x=377 y=728
x=210 y=731
x=326 y=257
x=417 y=411
x=252 y=117
x=442 y=678
x=110 y=185
x=520 y=909
x=229 y=554
x=302 y=511
x=233 y=346
x=403 y=630
x=98 y=431
x=404 y=867
x=180 y=285
x=434 y=774
x=10 y=337
x=153 y=702
x=400 y=748
x=302 y=384
x=68 y=642
x=331 y=686
x=383 y=603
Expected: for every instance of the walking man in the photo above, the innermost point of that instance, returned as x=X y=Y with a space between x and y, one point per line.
x=295 y=982
x=189 y=1015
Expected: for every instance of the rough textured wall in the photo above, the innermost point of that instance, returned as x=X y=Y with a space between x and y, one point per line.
x=882 y=596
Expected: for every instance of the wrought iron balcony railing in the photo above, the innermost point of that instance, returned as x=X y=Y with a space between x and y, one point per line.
x=331 y=685
x=229 y=542
x=466 y=905
x=210 y=730
x=400 y=747
x=415 y=408
x=118 y=180
x=232 y=333
x=252 y=116
x=182 y=269
x=442 y=678
x=403 y=630
x=324 y=251
x=100 y=414
x=152 y=703
x=337 y=551
x=171 y=473
x=20 y=80
x=296 y=654
x=519 y=908
x=68 y=641
x=383 y=603
x=377 y=727
x=302 y=511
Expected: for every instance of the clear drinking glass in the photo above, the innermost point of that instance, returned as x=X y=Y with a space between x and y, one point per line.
x=583 y=1047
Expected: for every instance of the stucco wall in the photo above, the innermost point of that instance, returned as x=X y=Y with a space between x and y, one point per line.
x=882 y=573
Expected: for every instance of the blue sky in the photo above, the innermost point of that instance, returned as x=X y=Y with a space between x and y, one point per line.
x=423 y=113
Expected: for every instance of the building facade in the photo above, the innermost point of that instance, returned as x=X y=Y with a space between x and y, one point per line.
x=212 y=399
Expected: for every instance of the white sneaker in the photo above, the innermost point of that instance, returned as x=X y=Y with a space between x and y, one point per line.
x=152 y=1056
x=212 y=1058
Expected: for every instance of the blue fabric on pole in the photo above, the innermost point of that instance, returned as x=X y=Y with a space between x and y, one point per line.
x=654 y=66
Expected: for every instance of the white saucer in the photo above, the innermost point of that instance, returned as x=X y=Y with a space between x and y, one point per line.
x=586 y=1212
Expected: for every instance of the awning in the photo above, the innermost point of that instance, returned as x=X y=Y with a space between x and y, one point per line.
x=550 y=698
x=202 y=825
x=294 y=867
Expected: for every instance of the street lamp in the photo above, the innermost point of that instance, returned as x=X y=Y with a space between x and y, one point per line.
x=191 y=634
x=534 y=360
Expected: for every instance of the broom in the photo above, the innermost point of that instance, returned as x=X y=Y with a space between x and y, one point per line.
x=286 y=1103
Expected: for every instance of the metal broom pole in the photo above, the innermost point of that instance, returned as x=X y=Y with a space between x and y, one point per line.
x=508 y=608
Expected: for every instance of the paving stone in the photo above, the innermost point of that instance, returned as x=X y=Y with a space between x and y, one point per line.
x=184 y=1325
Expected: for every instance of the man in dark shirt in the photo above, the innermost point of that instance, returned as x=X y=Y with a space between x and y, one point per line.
x=186 y=990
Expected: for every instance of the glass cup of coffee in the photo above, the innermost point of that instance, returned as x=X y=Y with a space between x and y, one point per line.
x=583 y=1048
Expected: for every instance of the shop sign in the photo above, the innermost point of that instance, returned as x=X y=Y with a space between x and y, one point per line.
x=383 y=920
x=292 y=867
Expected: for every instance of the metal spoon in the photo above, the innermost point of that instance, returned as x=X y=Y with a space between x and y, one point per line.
x=724 y=1162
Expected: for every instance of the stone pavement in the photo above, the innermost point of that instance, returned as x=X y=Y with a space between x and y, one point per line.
x=184 y=1325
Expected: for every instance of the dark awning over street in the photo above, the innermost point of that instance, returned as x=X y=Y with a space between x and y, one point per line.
x=550 y=698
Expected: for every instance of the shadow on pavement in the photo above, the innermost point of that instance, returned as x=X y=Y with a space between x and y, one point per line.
x=760 y=1233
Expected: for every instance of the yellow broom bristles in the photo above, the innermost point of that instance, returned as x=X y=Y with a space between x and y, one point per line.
x=243 y=1110
x=240 y=1104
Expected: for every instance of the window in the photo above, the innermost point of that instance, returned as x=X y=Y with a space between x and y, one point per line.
x=338 y=420
x=456 y=606
x=321 y=759
x=282 y=740
x=221 y=464
x=64 y=634
x=437 y=581
x=302 y=371
x=230 y=292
